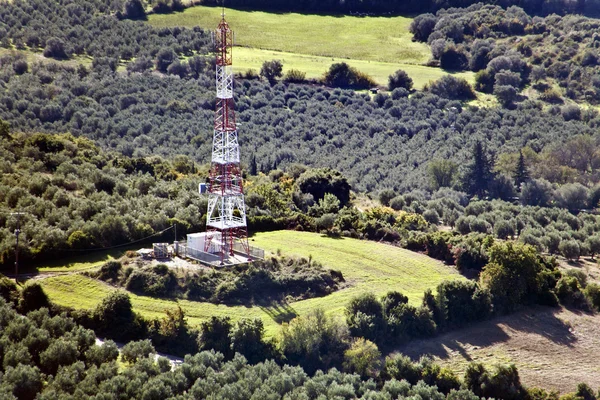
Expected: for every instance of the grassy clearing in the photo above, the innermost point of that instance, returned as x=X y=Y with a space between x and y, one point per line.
x=315 y=66
x=366 y=266
x=385 y=39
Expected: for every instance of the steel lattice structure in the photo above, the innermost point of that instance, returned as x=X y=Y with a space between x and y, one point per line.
x=226 y=217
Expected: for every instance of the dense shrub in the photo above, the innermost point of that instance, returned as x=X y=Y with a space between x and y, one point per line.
x=452 y=88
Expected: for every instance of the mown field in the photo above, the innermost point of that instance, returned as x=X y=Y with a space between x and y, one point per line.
x=384 y=39
x=377 y=46
x=315 y=66
x=366 y=266
x=553 y=348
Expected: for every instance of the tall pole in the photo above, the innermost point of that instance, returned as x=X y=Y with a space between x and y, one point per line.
x=17 y=233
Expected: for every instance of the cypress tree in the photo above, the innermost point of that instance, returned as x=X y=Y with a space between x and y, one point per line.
x=479 y=173
x=253 y=166
x=521 y=174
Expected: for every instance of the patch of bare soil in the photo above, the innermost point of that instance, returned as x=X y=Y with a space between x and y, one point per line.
x=553 y=348
x=587 y=265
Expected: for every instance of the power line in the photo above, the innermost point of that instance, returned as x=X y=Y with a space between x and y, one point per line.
x=119 y=245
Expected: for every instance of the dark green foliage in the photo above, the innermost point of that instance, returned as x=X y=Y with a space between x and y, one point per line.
x=400 y=79
x=156 y=280
x=569 y=292
x=114 y=318
x=479 y=174
x=134 y=9
x=345 y=76
x=102 y=354
x=364 y=316
x=318 y=182
x=314 y=342
x=513 y=275
x=459 y=303
x=400 y=367
x=570 y=249
x=503 y=383
x=55 y=48
x=451 y=88
x=592 y=293
x=505 y=94
x=164 y=58
x=215 y=334
x=8 y=290
x=585 y=392
x=422 y=26
x=453 y=58
x=521 y=173
x=132 y=352
x=59 y=353
x=271 y=70
x=92 y=28
x=247 y=338
x=26 y=381
x=32 y=297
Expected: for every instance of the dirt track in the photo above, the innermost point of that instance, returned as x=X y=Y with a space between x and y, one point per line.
x=552 y=348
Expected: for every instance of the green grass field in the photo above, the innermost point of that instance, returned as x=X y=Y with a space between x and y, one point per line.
x=377 y=46
x=315 y=66
x=366 y=266
x=384 y=39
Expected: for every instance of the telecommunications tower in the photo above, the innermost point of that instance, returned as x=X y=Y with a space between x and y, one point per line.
x=226 y=218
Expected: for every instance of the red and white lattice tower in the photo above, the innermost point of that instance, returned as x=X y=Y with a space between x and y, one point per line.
x=226 y=220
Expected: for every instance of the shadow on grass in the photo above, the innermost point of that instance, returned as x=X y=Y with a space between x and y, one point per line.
x=540 y=321
x=280 y=312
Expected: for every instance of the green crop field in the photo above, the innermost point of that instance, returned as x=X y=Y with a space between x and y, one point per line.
x=366 y=266
x=363 y=38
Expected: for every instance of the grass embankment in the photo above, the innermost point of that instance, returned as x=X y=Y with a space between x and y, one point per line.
x=366 y=266
x=377 y=46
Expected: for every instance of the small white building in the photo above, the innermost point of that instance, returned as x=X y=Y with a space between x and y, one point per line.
x=197 y=241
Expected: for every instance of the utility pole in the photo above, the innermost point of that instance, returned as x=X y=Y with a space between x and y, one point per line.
x=17 y=233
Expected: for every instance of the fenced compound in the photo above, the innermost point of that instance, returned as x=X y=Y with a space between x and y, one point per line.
x=239 y=257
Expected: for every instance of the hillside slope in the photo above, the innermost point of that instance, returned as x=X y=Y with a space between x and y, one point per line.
x=552 y=348
x=366 y=266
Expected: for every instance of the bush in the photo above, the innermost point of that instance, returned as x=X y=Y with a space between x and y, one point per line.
x=592 y=293
x=363 y=358
x=98 y=355
x=25 y=380
x=247 y=339
x=569 y=292
x=271 y=70
x=55 y=48
x=400 y=79
x=569 y=249
x=364 y=316
x=60 y=353
x=134 y=9
x=32 y=298
x=453 y=58
x=343 y=75
x=8 y=290
x=215 y=335
x=450 y=87
x=294 y=76
x=115 y=319
x=512 y=275
x=134 y=351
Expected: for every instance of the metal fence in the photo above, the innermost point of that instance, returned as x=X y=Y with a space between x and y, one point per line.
x=255 y=252
x=185 y=251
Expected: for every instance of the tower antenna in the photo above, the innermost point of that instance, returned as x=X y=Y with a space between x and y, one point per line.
x=226 y=217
